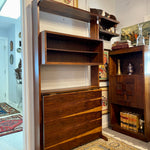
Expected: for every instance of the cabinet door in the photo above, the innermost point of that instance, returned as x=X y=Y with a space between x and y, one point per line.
x=71 y=119
x=127 y=90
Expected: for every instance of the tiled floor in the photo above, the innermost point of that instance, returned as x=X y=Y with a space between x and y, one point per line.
x=12 y=141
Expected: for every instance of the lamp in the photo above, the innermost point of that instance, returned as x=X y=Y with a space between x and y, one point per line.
x=2 y=2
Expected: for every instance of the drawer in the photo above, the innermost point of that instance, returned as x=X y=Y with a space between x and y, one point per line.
x=69 y=115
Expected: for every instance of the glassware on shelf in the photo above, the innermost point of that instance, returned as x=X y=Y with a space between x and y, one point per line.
x=149 y=39
x=140 y=39
x=130 y=69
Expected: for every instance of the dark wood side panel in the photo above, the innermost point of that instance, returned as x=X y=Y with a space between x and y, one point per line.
x=69 y=116
x=94 y=75
x=147 y=91
x=94 y=29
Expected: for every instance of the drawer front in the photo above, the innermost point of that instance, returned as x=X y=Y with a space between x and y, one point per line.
x=127 y=90
x=69 y=116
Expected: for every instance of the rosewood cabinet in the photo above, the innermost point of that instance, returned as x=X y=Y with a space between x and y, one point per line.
x=66 y=118
x=130 y=93
x=71 y=119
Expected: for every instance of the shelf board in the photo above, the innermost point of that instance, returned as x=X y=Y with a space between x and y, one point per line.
x=109 y=20
x=64 y=35
x=72 y=51
x=108 y=33
x=126 y=75
x=105 y=20
x=72 y=89
x=71 y=63
x=140 y=136
x=126 y=50
x=50 y=6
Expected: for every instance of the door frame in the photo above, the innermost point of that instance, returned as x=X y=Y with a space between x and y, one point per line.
x=27 y=73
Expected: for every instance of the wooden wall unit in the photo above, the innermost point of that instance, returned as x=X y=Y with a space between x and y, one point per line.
x=105 y=23
x=130 y=92
x=65 y=49
x=71 y=117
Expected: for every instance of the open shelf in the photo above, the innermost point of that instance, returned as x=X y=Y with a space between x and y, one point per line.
x=59 y=48
x=108 y=22
x=127 y=50
x=140 y=136
x=115 y=122
x=126 y=56
x=71 y=51
x=106 y=35
x=58 y=8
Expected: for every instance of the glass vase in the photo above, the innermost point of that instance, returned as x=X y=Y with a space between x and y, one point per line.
x=140 y=39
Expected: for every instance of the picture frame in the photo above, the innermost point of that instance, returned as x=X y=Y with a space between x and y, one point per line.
x=105 y=105
x=73 y=3
x=11 y=59
x=11 y=46
x=131 y=32
x=103 y=69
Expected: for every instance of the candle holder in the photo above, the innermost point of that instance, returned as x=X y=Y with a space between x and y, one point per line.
x=119 y=69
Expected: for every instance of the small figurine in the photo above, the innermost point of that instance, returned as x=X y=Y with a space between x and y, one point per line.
x=18 y=72
x=130 y=69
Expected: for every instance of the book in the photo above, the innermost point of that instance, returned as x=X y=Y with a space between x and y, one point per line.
x=129 y=121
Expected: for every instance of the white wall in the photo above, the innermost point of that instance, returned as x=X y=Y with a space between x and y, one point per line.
x=106 y=5
x=9 y=28
x=11 y=67
x=131 y=12
x=18 y=56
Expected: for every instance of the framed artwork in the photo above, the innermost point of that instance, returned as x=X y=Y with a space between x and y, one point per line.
x=11 y=46
x=11 y=59
x=131 y=32
x=103 y=69
x=105 y=100
x=73 y=3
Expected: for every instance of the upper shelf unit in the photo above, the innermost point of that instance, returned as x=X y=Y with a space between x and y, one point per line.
x=58 y=8
x=59 y=48
x=108 y=22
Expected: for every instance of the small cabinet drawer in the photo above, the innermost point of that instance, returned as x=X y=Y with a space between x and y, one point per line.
x=69 y=115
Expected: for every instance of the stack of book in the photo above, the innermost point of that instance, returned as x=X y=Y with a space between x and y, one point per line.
x=129 y=121
x=121 y=44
